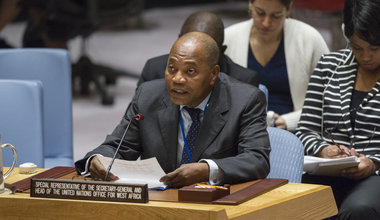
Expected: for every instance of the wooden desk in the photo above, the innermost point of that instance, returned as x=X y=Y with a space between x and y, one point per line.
x=291 y=201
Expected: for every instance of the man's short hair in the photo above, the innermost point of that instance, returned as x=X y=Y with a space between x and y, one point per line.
x=205 y=22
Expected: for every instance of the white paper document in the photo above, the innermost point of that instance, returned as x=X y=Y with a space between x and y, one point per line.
x=146 y=171
x=328 y=167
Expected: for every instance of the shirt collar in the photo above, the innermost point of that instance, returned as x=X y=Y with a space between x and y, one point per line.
x=202 y=105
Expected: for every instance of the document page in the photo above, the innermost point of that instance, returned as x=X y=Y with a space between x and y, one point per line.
x=328 y=167
x=146 y=171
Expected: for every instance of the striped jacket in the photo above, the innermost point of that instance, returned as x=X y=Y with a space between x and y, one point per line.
x=327 y=109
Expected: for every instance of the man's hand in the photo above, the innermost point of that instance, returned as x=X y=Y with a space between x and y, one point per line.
x=187 y=174
x=334 y=151
x=279 y=122
x=98 y=171
x=365 y=168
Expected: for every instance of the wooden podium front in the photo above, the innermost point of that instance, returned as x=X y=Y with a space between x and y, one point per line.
x=290 y=201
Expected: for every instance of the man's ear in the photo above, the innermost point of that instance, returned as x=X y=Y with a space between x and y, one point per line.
x=224 y=48
x=214 y=74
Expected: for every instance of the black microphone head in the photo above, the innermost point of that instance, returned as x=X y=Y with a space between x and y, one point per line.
x=139 y=117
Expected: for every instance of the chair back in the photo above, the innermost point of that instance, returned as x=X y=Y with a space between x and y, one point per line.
x=286 y=156
x=104 y=13
x=264 y=89
x=21 y=121
x=84 y=17
x=53 y=68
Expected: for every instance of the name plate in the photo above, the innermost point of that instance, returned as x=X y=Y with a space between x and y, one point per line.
x=89 y=190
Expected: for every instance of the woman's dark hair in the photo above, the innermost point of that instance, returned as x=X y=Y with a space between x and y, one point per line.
x=286 y=3
x=363 y=18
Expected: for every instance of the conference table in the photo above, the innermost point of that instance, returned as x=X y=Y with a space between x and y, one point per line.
x=290 y=201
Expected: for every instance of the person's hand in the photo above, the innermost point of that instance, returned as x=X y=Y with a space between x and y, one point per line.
x=187 y=174
x=98 y=171
x=279 y=122
x=333 y=151
x=365 y=168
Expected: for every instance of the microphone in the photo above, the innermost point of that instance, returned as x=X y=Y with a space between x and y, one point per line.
x=137 y=117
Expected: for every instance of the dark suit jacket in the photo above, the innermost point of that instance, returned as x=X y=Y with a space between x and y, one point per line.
x=155 y=69
x=233 y=132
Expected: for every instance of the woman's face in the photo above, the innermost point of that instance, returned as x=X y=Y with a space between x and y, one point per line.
x=268 y=16
x=367 y=55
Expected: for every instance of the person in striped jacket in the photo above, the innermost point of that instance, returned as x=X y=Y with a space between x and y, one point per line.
x=341 y=113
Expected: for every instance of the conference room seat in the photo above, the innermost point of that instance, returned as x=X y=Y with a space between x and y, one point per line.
x=286 y=156
x=264 y=89
x=84 y=17
x=21 y=114
x=52 y=67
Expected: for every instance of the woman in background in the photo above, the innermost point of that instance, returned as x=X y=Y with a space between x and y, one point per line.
x=283 y=51
x=341 y=114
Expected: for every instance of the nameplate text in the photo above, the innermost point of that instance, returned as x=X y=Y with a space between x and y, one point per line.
x=89 y=190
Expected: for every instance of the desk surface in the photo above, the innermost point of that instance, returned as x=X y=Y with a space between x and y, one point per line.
x=291 y=201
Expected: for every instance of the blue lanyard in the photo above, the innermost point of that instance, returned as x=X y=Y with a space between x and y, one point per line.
x=186 y=146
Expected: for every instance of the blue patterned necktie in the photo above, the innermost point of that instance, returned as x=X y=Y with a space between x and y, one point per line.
x=192 y=134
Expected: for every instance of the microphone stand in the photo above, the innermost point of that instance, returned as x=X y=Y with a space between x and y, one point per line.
x=137 y=117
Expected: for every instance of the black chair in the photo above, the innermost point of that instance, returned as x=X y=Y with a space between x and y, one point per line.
x=64 y=20
x=102 y=13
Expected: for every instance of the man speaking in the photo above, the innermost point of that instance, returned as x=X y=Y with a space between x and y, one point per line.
x=199 y=124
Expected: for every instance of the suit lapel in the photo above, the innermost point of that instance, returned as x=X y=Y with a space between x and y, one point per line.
x=344 y=89
x=168 y=121
x=371 y=94
x=214 y=120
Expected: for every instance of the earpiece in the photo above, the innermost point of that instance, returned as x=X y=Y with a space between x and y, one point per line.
x=344 y=35
x=334 y=72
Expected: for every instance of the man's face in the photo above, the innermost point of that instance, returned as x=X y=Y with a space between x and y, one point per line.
x=189 y=76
